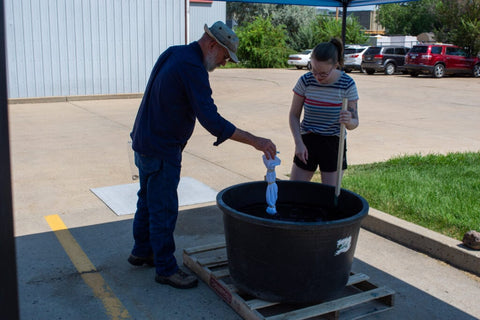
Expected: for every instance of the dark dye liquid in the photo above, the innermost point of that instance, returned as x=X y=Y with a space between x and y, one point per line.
x=294 y=212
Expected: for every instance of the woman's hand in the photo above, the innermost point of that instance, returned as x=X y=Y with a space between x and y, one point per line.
x=345 y=117
x=349 y=117
x=301 y=152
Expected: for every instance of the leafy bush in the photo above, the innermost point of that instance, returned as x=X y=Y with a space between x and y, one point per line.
x=293 y=17
x=323 y=28
x=284 y=29
x=305 y=38
x=262 y=45
x=326 y=28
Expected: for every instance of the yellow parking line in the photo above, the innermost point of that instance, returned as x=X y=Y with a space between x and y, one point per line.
x=114 y=308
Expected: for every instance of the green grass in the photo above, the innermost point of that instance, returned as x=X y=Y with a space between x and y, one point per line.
x=439 y=192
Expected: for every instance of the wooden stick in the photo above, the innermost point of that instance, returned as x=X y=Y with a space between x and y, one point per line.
x=341 y=145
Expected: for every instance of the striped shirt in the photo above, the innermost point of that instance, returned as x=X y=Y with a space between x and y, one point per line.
x=323 y=103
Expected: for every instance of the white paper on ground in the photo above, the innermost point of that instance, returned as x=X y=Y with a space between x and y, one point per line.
x=122 y=199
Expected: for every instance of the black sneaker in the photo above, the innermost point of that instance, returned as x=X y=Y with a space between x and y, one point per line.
x=179 y=280
x=140 y=261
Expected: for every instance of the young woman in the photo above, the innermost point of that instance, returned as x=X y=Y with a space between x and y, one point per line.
x=319 y=93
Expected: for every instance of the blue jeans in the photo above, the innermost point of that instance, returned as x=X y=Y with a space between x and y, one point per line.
x=157 y=211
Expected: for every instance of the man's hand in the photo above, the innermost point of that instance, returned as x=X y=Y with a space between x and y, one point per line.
x=259 y=143
x=267 y=146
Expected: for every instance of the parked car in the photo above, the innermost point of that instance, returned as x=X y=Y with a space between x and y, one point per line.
x=353 y=57
x=301 y=59
x=441 y=59
x=387 y=59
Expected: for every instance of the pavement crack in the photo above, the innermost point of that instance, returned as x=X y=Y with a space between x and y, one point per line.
x=98 y=114
x=49 y=279
x=257 y=79
x=89 y=271
x=218 y=165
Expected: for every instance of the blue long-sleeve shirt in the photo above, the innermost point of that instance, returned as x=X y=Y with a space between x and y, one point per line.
x=177 y=93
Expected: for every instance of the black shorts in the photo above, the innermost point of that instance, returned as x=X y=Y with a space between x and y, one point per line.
x=322 y=152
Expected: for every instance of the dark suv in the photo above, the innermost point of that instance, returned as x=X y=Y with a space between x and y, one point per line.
x=440 y=59
x=387 y=59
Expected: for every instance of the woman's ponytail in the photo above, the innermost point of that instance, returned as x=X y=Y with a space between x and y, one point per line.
x=332 y=50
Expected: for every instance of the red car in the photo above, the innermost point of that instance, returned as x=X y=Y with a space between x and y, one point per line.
x=439 y=60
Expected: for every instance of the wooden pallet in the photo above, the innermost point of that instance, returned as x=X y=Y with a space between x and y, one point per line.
x=360 y=299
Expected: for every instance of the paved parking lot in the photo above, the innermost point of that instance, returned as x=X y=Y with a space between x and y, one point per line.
x=61 y=150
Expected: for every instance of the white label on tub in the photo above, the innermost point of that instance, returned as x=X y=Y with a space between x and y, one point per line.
x=343 y=245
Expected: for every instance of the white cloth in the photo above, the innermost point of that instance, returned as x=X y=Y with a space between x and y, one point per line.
x=272 y=188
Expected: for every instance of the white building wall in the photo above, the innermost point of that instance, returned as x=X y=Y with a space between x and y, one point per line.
x=85 y=47
x=201 y=13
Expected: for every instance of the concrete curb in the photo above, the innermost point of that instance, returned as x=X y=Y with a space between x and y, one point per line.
x=423 y=240
x=74 y=98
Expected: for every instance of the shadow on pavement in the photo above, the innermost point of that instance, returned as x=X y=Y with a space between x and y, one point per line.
x=50 y=287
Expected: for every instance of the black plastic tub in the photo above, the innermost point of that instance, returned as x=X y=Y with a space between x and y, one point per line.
x=301 y=255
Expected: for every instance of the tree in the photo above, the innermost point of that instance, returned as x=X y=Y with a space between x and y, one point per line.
x=452 y=21
x=459 y=24
x=288 y=15
x=246 y=13
x=411 y=18
x=293 y=18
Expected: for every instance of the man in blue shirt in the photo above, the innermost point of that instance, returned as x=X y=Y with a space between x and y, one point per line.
x=178 y=92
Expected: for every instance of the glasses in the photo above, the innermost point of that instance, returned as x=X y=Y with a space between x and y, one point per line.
x=320 y=74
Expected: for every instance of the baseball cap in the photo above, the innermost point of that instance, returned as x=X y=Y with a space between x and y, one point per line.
x=225 y=37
